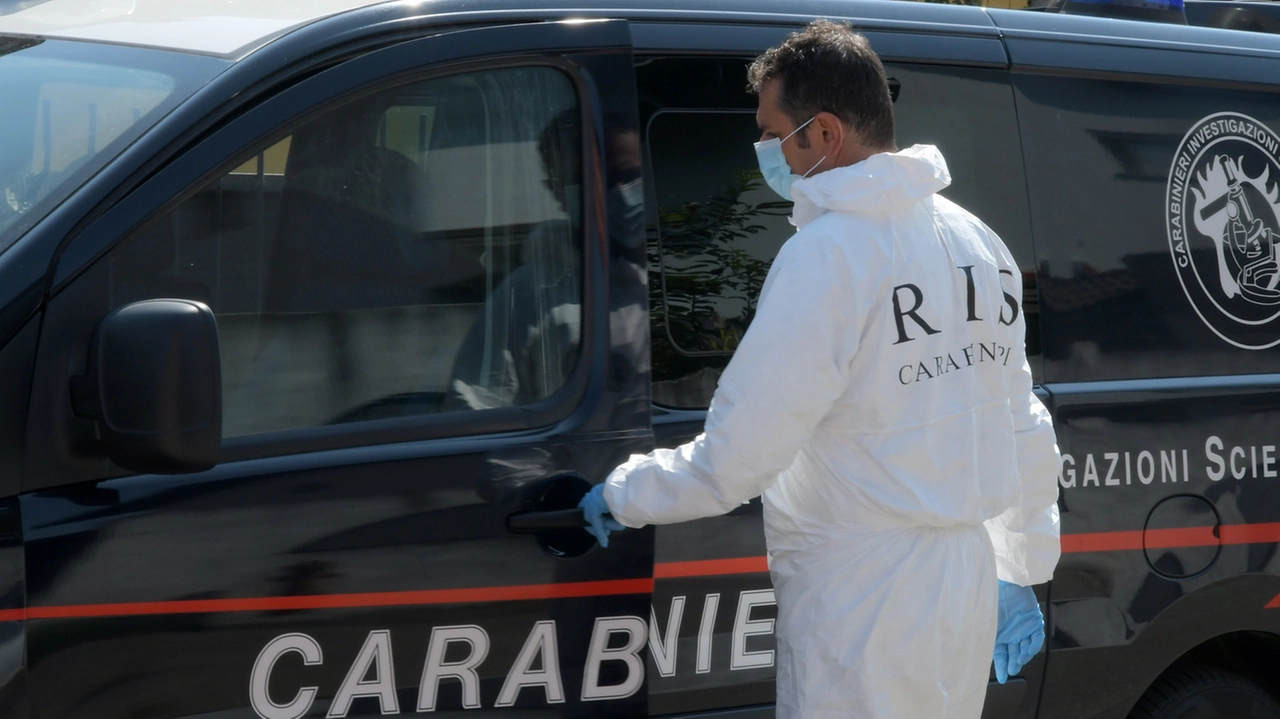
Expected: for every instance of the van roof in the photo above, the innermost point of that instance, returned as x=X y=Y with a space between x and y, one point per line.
x=234 y=27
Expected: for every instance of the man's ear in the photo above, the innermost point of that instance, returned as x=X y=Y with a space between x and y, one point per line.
x=833 y=135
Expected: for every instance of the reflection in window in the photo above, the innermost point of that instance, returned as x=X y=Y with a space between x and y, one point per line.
x=719 y=228
x=68 y=108
x=408 y=253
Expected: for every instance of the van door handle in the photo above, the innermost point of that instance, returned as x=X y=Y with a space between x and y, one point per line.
x=528 y=522
x=550 y=512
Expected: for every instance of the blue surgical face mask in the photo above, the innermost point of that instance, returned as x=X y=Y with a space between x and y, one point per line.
x=773 y=164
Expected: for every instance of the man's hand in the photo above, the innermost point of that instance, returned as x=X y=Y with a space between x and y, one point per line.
x=1019 y=630
x=595 y=509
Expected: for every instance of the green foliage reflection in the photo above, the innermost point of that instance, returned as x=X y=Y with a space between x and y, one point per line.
x=706 y=283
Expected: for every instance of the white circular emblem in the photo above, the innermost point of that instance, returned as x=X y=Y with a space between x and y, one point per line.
x=1223 y=218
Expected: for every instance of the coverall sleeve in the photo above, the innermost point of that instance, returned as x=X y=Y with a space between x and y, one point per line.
x=788 y=371
x=1025 y=536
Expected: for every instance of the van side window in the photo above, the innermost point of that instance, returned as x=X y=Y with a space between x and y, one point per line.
x=718 y=227
x=415 y=251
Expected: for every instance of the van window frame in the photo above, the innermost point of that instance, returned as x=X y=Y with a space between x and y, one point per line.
x=274 y=118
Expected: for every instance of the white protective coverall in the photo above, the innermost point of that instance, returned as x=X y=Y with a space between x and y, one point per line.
x=881 y=402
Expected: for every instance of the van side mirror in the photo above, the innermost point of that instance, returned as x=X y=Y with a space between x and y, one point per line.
x=153 y=383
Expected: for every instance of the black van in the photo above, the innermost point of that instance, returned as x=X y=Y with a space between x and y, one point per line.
x=317 y=319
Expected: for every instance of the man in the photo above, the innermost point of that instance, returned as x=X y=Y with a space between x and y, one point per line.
x=522 y=346
x=881 y=403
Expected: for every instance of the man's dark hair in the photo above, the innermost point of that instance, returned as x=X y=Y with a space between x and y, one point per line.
x=829 y=67
x=560 y=149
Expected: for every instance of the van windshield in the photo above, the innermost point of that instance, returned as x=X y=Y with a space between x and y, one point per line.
x=68 y=108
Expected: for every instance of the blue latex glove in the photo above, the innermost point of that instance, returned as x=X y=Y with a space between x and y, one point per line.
x=595 y=510
x=1019 y=630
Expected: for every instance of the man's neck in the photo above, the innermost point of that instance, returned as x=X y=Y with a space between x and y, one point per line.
x=853 y=154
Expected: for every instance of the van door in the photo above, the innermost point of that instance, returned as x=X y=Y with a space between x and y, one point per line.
x=418 y=313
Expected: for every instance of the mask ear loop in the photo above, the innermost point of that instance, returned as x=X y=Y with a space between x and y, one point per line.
x=798 y=129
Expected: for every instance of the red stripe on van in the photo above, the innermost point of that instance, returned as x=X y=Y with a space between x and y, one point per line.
x=341 y=601
x=1263 y=533
x=1182 y=537
x=1101 y=541
x=710 y=567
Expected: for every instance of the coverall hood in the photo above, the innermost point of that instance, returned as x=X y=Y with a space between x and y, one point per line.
x=882 y=184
